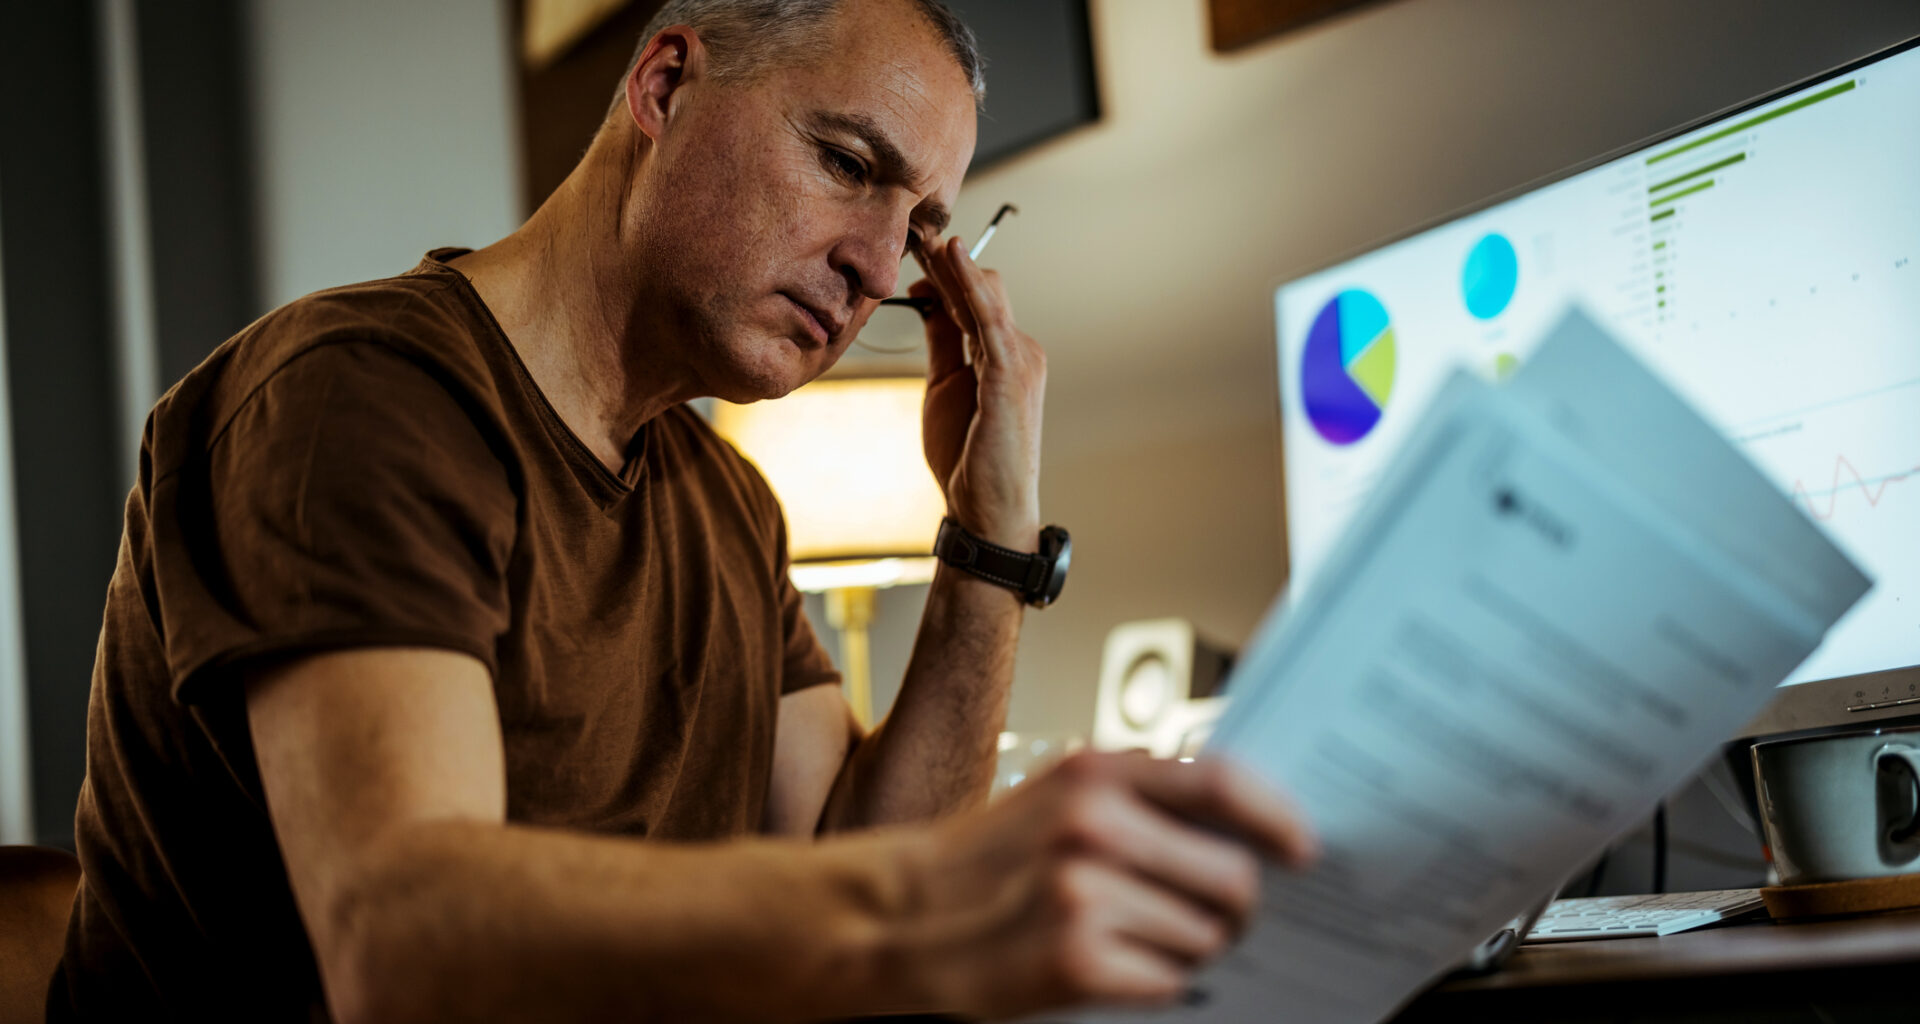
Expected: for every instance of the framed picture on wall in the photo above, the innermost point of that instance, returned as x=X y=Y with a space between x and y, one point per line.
x=1241 y=23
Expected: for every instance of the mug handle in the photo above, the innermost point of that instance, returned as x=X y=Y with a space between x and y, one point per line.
x=1898 y=775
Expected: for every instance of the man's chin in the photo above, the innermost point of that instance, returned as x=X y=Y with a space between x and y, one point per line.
x=774 y=376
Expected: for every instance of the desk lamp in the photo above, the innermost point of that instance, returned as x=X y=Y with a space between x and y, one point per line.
x=844 y=457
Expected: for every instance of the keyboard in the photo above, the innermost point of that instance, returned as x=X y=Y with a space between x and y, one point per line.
x=1623 y=917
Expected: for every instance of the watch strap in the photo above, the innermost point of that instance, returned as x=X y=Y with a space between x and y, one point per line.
x=1028 y=574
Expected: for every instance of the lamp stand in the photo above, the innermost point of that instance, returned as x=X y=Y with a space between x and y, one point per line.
x=850 y=610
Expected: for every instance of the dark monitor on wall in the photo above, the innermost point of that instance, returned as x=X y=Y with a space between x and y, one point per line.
x=1765 y=261
x=1040 y=73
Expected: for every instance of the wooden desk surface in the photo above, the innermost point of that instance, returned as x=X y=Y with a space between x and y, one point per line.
x=1849 y=969
x=1735 y=949
x=1854 y=971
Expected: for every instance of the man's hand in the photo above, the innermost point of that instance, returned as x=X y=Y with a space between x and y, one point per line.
x=981 y=423
x=1110 y=879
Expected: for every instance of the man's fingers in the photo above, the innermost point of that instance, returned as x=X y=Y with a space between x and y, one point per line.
x=1123 y=972
x=945 y=352
x=1140 y=910
x=1215 y=792
x=977 y=301
x=1207 y=868
x=988 y=296
x=986 y=303
x=939 y=267
x=1127 y=940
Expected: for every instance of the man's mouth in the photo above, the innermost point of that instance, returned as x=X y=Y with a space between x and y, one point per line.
x=820 y=324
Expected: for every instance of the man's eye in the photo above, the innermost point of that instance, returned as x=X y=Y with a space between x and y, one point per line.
x=913 y=241
x=844 y=164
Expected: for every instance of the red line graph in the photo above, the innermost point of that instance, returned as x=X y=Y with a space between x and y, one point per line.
x=1872 y=490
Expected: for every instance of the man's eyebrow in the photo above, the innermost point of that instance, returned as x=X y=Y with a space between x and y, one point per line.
x=892 y=163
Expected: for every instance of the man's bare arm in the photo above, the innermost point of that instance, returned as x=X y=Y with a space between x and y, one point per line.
x=384 y=780
x=934 y=753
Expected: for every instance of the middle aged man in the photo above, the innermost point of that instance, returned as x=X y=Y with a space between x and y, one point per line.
x=451 y=663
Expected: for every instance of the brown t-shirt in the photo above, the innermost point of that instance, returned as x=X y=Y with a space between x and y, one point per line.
x=370 y=466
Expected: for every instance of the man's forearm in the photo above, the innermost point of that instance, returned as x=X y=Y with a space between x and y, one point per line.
x=483 y=921
x=935 y=752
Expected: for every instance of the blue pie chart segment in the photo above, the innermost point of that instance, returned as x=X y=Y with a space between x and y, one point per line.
x=1490 y=276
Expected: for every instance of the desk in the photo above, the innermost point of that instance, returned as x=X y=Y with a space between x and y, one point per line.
x=1820 y=972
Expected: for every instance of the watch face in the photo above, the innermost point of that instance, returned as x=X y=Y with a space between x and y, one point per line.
x=1055 y=542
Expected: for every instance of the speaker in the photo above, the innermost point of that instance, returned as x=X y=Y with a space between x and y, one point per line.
x=1160 y=688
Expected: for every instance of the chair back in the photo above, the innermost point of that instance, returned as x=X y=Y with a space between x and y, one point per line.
x=37 y=886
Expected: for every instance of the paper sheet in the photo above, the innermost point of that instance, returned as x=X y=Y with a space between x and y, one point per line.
x=1536 y=627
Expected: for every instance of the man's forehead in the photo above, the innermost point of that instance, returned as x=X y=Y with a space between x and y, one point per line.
x=881 y=62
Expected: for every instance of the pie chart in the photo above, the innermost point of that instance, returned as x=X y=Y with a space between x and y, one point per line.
x=1490 y=276
x=1346 y=372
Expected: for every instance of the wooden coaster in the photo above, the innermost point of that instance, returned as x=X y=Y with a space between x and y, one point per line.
x=1854 y=896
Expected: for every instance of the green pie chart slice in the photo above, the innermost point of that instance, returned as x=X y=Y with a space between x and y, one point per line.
x=1372 y=369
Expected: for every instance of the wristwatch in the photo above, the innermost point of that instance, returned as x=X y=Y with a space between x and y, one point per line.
x=1037 y=578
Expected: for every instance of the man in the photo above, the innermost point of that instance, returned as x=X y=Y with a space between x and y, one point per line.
x=451 y=666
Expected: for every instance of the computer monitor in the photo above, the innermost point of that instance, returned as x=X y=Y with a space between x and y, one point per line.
x=1765 y=261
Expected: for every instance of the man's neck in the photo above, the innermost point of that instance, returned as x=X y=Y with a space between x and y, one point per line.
x=561 y=291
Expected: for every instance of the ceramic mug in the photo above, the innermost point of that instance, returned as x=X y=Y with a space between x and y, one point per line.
x=1841 y=806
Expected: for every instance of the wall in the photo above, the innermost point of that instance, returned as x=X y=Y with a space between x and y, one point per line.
x=381 y=130
x=1147 y=248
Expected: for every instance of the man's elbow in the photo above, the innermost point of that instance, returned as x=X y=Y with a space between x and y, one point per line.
x=375 y=948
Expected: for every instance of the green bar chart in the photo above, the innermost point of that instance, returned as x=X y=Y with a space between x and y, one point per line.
x=1686 y=174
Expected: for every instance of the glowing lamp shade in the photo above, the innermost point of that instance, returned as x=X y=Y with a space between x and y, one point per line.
x=844 y=457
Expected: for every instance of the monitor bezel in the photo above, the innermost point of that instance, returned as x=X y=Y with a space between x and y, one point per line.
x=1819 y=704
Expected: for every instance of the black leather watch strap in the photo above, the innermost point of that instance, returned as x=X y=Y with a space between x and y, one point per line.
x=1036 y=577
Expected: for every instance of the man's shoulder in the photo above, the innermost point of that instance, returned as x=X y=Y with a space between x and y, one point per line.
x=425 y=323
x=426 y=314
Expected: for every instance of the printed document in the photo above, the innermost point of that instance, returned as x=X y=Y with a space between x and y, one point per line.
x=1563 y=595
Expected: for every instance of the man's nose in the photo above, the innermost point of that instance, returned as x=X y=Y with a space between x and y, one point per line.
x=870 y=257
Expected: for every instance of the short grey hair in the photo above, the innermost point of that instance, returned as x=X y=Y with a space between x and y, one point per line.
x=749 y=37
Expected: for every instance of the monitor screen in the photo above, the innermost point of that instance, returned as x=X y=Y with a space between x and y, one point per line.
x=1763 y=263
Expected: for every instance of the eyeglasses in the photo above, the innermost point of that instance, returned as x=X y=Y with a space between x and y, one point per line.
x=904 y=334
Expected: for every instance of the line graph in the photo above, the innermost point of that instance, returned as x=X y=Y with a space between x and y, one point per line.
x=1873 y=489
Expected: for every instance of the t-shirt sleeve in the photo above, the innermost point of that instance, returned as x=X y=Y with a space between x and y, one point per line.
x=350 y=501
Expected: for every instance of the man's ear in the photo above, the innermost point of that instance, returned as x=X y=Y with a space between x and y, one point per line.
x=671 y=59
